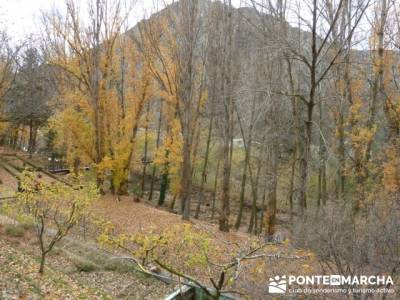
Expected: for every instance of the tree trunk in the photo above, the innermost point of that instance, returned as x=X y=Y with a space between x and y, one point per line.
x=42 y=263
x=263 y=210
x=123 y=186
x=172 y=204
x=205 y=164
x=291 y=183
x=341 y=154
x=246 y=162
x=186 y=182
x=228 y=114
x=304 y=161
x=215 y=188
x=32 y=138
x=164 y=184
x=298 y=146
x=153 y=173
x=242 y=190
x=95 y=86
x=145 y=151
x=254 y=186
x=321 y=197
x=225 y=210
x=15 y=137
x=163 y=187
x=76 y=167
x=272 y=192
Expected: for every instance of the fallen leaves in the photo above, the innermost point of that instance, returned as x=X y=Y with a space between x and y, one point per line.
x=19 y=278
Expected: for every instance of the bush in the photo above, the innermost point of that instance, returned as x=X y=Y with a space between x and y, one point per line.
x=15 y=230
x=52 y=204
x=27 y=225
x=111 y=266
x=368 y=242
x=84 y=265
x=119 y=266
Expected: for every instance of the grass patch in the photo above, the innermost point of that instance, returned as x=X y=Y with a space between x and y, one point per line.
x=118 y=266
x=80 y=254
x=112 y=266
x=83 y=265
x=15 y=230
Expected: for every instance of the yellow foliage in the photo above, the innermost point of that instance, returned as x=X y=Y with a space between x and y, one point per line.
x=391 y=169
x=170 y=153
x=118 y=119
x=181 y=241
x=4 y=127
x=362 y=132
x=74 y=135
x=52 y=203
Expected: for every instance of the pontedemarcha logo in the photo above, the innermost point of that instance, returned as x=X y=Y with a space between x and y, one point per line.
x=343 y=284
x=277 y=285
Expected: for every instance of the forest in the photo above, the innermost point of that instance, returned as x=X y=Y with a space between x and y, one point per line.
x=207 y=149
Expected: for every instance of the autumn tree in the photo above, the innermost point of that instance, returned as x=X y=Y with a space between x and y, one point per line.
x=180 y=248
x=51 y=206
x=7 y=63
x=104 y=84
x=8 y=57
x=179 y=71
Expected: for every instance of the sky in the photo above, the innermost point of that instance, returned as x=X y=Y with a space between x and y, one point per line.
x=21 y=18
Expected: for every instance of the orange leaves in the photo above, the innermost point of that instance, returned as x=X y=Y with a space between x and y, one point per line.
x=73 y=134
x=392 y=175
x=391 y=169
x=124 y=89
x=361 y=133
x=361 y=136
x=170 y=154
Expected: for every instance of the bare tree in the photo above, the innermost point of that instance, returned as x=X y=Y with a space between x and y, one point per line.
x=320 y=55
x=227 y=111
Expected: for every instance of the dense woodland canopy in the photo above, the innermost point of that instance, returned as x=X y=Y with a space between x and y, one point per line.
x=278 y=118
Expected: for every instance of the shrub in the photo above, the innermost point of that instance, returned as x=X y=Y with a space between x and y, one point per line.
x=27 y=225
x=84 y=265
x=52 y=204
x=368 y=242
x=119 y=266
x=15 y=230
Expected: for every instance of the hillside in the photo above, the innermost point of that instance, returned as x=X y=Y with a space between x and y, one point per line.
x=118 y=278
x=19 y=279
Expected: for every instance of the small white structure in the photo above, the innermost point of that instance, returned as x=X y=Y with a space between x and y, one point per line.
x=238 y=143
